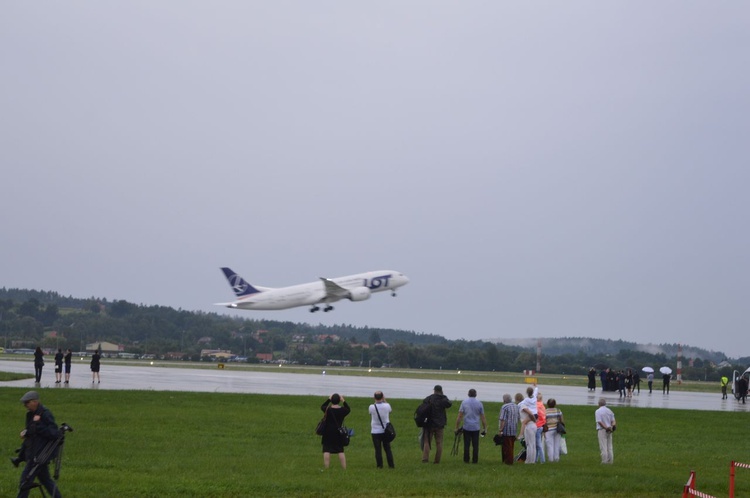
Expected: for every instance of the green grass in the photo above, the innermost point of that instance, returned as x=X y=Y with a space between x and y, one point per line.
x=8 y=376
x=148 y=443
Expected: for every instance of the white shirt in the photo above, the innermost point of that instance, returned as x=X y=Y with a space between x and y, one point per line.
x=529 y=403
x=605 y=416
x=384 y=409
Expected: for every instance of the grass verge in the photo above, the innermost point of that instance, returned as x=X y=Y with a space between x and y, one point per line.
x=148 y=443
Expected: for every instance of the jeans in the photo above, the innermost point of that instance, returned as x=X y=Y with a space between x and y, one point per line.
x=539 y=445
x=44 y=479
x=429 y=434
x=471 y=438
x=380 y=443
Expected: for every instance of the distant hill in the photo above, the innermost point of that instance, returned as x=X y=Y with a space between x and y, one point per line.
x=573 y=345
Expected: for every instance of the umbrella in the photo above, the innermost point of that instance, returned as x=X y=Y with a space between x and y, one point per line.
x=648 y=370
x=665 y=370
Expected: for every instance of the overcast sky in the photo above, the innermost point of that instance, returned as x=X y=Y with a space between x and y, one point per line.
x=538 y=169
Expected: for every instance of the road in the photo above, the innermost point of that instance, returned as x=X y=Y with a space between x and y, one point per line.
x=229 y=380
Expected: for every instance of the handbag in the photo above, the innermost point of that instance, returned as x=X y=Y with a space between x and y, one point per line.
x=561 y=428
x=321 y=428
x=344 y=434
x=389 y=432
x=563 y=446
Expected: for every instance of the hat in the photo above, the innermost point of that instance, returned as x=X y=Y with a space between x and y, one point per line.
x=29 y=396
x=498 y=439
x=438 y=388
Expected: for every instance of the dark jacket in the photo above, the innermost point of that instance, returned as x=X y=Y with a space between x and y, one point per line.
x=334 y=420
x=38 y=359
x=438 y=404
x=39 y=433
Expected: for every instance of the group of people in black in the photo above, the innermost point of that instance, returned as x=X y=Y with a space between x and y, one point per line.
x=64 y=360
x=623 y=381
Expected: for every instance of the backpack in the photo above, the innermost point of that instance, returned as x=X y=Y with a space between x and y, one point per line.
x=422 y=415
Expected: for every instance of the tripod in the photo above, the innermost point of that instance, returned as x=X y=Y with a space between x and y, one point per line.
x=457 y=441
x=53 y=449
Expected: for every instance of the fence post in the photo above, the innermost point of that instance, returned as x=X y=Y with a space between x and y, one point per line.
x=731 y=479
x=689 y=485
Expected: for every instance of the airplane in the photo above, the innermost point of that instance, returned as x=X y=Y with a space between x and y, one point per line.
x=356 y=287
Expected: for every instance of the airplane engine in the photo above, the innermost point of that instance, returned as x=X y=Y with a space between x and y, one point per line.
x=359 y=294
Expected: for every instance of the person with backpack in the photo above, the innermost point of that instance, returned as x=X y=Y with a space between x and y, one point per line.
x=435 y=426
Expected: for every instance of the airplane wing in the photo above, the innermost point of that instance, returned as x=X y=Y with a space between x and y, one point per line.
x=334 y=290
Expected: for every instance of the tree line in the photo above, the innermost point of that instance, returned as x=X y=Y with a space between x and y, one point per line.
x=38 y=318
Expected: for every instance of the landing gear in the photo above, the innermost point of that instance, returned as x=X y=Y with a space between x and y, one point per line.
x=393 y=293
x=314 y=309
x=328 y=308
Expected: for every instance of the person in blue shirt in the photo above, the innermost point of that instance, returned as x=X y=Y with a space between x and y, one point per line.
x=471 y=412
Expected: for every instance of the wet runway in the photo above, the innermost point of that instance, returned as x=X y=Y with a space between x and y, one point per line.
x=228 y=380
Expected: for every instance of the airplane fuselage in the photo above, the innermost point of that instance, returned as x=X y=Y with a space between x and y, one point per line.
x=353 y=287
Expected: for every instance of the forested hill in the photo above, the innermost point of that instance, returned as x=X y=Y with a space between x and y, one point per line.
x=30 y=318
x=573 y=345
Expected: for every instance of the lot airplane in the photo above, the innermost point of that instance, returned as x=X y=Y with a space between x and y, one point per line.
x=326 y=291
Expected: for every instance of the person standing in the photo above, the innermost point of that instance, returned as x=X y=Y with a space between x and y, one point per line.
x=331 y=440
x=629 y=383
x=58 y=366
x=38 y=364
x=434 y=430
x=40 y=429
x=380 y=417
x=637 y=382
x=528 y=412
x=592 y=379
x=650 y=379
x=541 y=421
x=472 y=412
x=665 y=383
x=67 y=359
x=508 y=426
x=724 y=382
x=95 y=366
x=552 y=437
x=605 y=426
x=742 y=386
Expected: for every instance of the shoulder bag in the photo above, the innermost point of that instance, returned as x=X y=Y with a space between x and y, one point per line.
x=321 y=427
x=389 y=431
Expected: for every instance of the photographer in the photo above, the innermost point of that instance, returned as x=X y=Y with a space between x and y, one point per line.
x=40 y=430
x=380 y=416
x=471 y=412
x=434 y=431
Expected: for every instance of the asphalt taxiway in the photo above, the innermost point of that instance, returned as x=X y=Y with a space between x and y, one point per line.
x=119 y=376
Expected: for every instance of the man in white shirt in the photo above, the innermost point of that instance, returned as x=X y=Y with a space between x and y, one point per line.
x=379 y=417
x=605 y=426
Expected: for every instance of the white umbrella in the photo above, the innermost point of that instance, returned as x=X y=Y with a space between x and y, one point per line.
x=648 y=370
x=665 y=370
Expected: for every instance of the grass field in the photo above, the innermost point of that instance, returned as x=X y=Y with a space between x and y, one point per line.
x=148 y=443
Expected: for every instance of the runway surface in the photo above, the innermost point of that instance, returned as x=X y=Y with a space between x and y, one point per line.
x=228 y=380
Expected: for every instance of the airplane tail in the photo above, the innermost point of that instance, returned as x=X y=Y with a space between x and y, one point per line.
x=238 y=284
